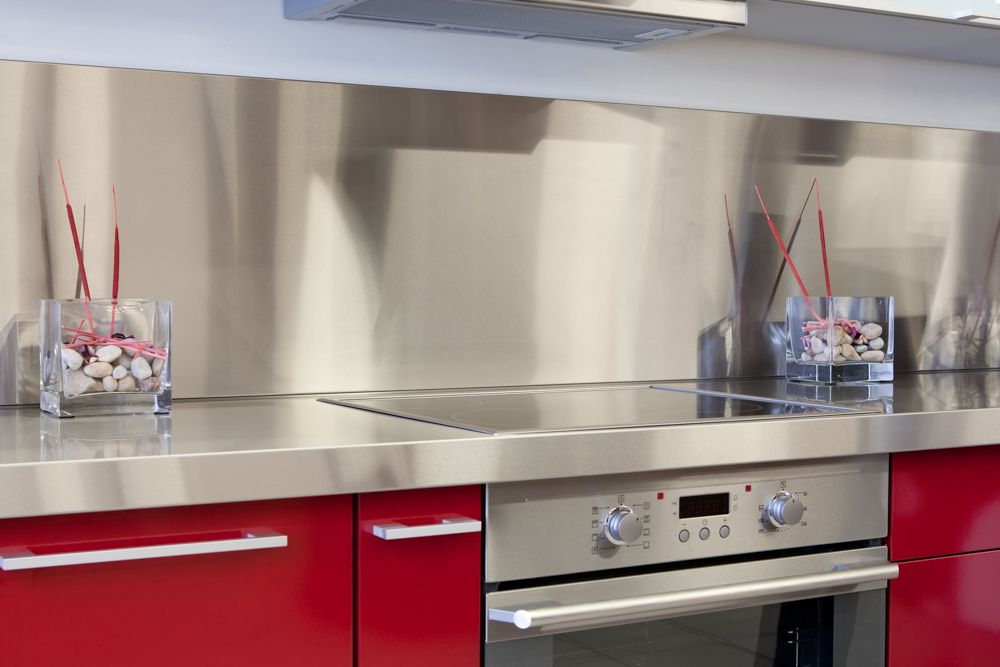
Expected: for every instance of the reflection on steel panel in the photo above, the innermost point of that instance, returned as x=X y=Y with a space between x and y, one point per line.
x=328 y=238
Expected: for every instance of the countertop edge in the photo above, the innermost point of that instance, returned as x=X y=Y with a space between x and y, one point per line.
x=76 y=486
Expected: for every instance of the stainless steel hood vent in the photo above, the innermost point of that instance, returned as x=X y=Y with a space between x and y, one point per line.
x=615 y=23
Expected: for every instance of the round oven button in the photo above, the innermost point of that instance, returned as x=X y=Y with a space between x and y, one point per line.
x=704 y=533
x=785 y=509
x=623 y=526
x=684 y=536
x=724 y=531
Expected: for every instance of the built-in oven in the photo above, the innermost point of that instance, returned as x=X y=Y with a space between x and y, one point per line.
x=749 y=567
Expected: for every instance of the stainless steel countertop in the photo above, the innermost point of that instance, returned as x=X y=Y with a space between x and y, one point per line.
x=253 y=449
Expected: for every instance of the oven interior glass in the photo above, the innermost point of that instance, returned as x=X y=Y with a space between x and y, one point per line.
x=841 y=631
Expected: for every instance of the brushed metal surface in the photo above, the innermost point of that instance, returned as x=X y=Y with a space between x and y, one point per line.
x=328 y=238
x=257 y=449
x=607 y=602
x=846 y=500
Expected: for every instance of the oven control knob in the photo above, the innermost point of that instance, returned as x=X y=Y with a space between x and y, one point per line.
x=785 y=509
x=623 y=525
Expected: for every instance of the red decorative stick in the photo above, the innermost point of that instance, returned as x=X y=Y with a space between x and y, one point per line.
x=784 y=251
x=114 y=278
x=76 y=245
x=822 y=241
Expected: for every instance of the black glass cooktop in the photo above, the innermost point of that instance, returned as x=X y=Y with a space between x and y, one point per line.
x=541 y=411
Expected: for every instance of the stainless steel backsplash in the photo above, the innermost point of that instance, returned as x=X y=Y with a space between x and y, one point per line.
x=320 y=238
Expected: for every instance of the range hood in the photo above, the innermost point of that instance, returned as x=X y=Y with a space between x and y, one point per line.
x=613 y=23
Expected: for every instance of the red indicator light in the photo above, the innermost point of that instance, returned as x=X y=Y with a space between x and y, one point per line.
x=659 y=495
x=749 y=488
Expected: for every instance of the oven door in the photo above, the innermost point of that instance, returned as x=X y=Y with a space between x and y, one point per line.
x=817 y=610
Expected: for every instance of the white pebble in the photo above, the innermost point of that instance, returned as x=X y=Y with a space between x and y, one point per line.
x=109 y=353
x=71 y=359
x=822 y=356
x=815 y=345
x=860 y=348
x=876 y=344
x=76 y=383
x=840 y=337
x=873 y=355
x=109 y=384
x=124 y=361
x=98 y=369
x=850 y=353
x=839 y=358
x=157 y=366
x=806 y=356
x=871 y=330
x=127 y=383
x=140 y=368
x=119 y=372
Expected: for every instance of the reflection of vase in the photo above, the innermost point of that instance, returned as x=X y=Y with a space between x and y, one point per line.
x=732 y=348
x=962 y=334
x=19 y=360
x=958 y=391
x=104 y=437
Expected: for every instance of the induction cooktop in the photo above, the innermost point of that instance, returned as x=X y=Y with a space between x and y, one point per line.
x=544 y=411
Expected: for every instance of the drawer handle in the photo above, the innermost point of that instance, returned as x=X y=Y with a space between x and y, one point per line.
x=452 y=524
x=23 y=558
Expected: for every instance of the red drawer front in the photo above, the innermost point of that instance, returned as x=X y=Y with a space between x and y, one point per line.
x=944 y=502
x=945 y=612
x=418 y=599
x=289 y=605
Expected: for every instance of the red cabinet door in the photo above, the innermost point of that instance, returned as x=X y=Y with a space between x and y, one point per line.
x=945 y=612
x=289 y=605
x=944 y=502
x=418 y=598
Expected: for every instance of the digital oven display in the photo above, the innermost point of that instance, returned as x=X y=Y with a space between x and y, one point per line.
x=708 y=505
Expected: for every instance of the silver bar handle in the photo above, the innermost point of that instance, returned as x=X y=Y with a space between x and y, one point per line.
x=448 y=525
x=712 y=598
x=25 y=559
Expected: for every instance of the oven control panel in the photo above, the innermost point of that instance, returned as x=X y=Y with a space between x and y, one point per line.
x=645 y=519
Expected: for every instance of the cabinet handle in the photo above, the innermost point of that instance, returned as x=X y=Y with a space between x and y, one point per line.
x=448 y=525
x=23 y=558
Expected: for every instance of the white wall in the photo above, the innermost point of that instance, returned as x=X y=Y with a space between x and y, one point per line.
x=726 y=72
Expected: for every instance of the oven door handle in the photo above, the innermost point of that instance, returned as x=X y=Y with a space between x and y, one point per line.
x=697 y=600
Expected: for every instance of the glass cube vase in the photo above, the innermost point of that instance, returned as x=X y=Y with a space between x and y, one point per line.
x=839 y=339
x=104 y=358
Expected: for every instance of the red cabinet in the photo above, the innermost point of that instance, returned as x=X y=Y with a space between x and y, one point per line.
x=944 y=609
x=945 y=502
x=945 y=612
x=253 y=603
x=418 y=592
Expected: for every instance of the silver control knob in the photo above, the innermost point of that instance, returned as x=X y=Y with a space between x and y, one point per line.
x=623 y=525
x=785 y=509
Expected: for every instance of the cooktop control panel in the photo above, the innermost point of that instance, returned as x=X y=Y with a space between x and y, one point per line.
x=540 y=529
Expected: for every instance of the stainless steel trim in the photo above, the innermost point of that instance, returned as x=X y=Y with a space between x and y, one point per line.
x=559 y=608
x=716 y=598
x=252 y=540
x=454 y=525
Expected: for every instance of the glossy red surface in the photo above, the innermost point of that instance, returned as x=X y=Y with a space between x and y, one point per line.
x=286 y=606
x=418 y=600
x=945 y=612
x=944 y=502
